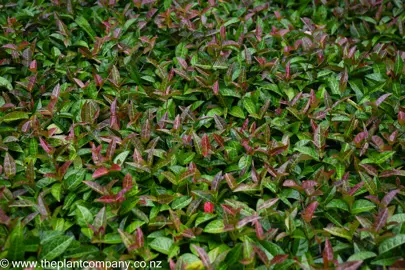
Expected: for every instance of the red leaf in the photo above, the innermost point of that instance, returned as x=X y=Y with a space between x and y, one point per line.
x=382 y=98
x=111 y=149
x=145 y=132
x=373 y=198
x=245 y=124
x=393 y=136
x=278 y=150
x=96 y=187
x=343 y=80
x=296 y=98
x=222 y=32
x=120 y=195
x=259 y=230
x=114 y=123
x=42 y=207
x=290 y=183
x=370 y=169
x=327 y=253
x=313 y=125
x=364 y=149
x=4 y=219
x=182 y=63
x=205 y=145
x=378 y=142
x=255 y=176
x=279 y=259
x=62 y=170
x=381 y=219
x=115 y=167
x=389 y=197
x=230 y=210
x=287 y=71
x=139 y=237
x=172 y=264
x=267 y=204
x=220 y=141
x=401 y=118
x=259 y=32
x=47 y=148
x=360 y=137
x=398 y=265
x=208 y=207
x=33 y=66
x=355 y=188
x=56 y=91
x=247 y=220
x=215 y=88
x=204 y=257
x=231 y=181
x=10 y=46
x=309 y=211
x=10 y=168
x=262 y=255
x=107 y=199
x=353 y=265
x=127 y=182
x=392 y=173
x=100 y=172
x=98 y=79
x=79 y=82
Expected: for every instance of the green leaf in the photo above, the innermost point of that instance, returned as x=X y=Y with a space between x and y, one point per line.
x=237 y=112
x=148 y=78
x=81 y=251
x=400 y=218
x=167 y=4
x=215 y=226
x=368 y=183
x=391 y=243
x=73 y=181
x=181 y=202
x=340 y=232
x=385 y=261
x=162 y=244
x=361 y=256
x=121 y=157
x=244 y=161
x=16 y=241
x=249 y=105
x=338 y=203
x=84 y=216
x=360 y=206
x=55 y=246
x=13 y=116
x=84 y=24
x=383 y=157
x=399 y=64
x=57 y=191
x=203 y=218
x=112 y=238
x=309 y=151
x=5 y=83
x=100 y=219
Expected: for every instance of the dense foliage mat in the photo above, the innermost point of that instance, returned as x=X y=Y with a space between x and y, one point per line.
x=220 y=135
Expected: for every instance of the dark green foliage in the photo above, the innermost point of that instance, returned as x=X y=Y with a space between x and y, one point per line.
x=216 y=135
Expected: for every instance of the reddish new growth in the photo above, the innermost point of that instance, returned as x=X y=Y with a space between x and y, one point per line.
x=208 y=207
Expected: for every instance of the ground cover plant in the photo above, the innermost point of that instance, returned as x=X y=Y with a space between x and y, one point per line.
x=216 y=134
